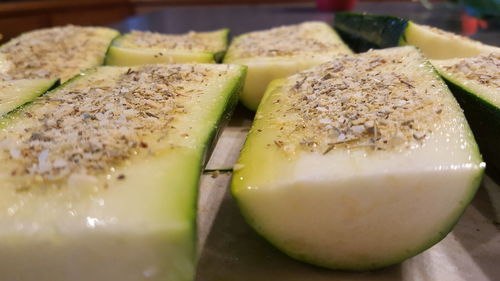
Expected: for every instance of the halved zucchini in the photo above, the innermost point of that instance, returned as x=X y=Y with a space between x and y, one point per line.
x=143 y=47
x=59 y=52
x=99 y=177
x=475 y=82
x=280 y=52
x=15 y=93
x=364 y=31
x=358 y=163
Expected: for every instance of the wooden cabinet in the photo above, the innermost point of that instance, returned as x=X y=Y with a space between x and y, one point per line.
x=18 y=17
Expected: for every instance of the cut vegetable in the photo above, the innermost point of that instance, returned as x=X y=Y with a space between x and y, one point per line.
x=280 y=52
x=99 y=177
x=365 y=31
x=15 y=93
x=139 y=47
x=476 y=85
x=59 y=52
x=358 y=163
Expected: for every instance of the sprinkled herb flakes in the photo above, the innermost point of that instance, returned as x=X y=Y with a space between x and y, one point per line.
x=291 y=40
x=484 y=69
x=192 y=41
x=59 y=52
x=367 y=101
x=81 y=131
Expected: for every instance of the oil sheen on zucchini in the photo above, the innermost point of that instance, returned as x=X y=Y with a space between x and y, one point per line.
x=100 y=176
x=143 y=47
x=52 y=53
x=280 y=52
x=359 y=163
x=475 y=82
x=364 y=31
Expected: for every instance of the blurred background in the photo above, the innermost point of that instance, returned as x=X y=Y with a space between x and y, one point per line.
x=17 y=16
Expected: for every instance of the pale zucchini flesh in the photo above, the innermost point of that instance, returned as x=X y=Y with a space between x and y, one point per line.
x=133 y=216
x=438 y=44
x=280 y=52
x=353 y=199
x=138 y=47
x=119 y=56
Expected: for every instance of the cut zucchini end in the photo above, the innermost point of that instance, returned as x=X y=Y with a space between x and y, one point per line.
x=341 y=226
x=356 y=208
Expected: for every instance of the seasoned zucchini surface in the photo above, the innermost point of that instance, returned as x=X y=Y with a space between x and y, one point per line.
x=280 y=52
x=358 y=163
x=103 y=172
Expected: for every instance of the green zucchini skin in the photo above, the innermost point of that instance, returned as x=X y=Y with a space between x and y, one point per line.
x=484 y=120
x=364 y=31
x=4 y=120
x=219 y=56
x=356 y=43
x=224 y=118
x=56 y=83
x=211 y=141
x=111 y=44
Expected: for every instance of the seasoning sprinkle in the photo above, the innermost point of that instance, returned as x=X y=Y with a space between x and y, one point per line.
x=59 y=52
x=192 y=41
x=78 y=131
x=309 y=38
x=371 y=103
x=484 y=69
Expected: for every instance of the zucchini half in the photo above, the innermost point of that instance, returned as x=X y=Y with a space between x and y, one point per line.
x=54 y=53
x=100 y=176
x=280 y=52
x=364 y=31
x=359 y=163
x=143 y=47
x=475 y=82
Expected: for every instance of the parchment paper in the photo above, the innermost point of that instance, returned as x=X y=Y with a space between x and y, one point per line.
x=231 y=251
